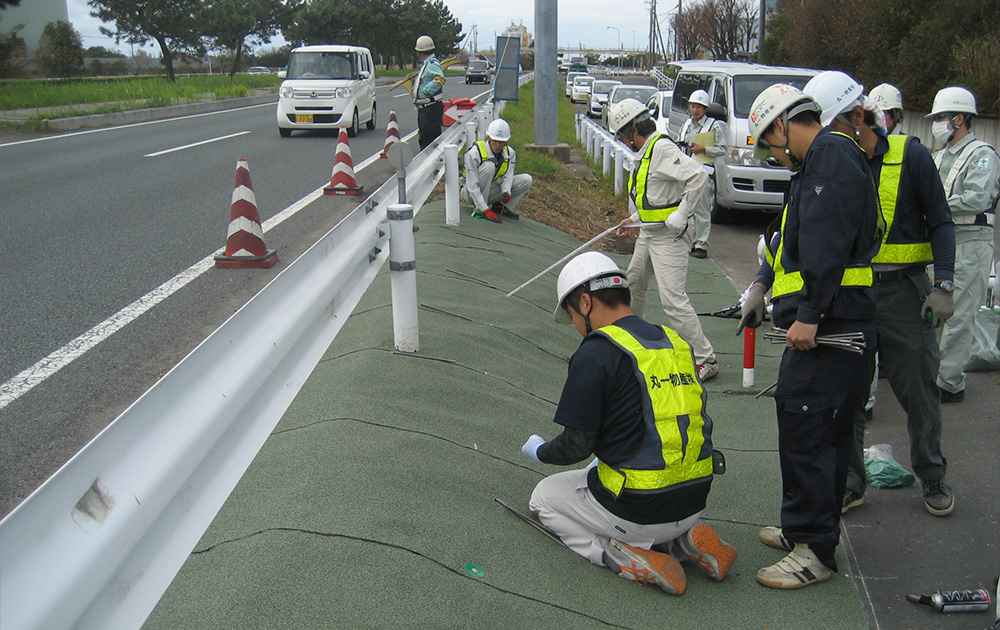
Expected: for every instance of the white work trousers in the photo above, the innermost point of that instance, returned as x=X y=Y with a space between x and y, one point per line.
x=658 y=253
x=564 y=504
x=703 y=213
x=491 y=189
x=973 y=257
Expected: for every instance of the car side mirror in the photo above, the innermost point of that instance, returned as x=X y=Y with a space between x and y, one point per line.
x=282 y=74
x=364 y=74
x=716 y=111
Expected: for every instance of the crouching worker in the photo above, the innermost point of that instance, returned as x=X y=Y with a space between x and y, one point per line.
x=632 y=398
x=490 y=183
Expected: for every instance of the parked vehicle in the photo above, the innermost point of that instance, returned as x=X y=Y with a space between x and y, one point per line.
x=659 y=109
x=259 y=70
x=479 y=71
x=599 y=96
x=569 y=81
x=619 y=93
x=741 y=181
x=580 y=91
x=327 y=87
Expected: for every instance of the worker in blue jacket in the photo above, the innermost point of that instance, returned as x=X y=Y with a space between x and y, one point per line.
x=427 y=87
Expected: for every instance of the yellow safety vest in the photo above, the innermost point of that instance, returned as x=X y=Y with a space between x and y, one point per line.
x=677 y=445
x=648 y=213
x=483 y=157
x=788 y=279
x=888 y=192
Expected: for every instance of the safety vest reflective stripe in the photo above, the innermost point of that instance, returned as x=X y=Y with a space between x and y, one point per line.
x=483 y=157
x=677 y=445
x=648 y=213
x=888 y=192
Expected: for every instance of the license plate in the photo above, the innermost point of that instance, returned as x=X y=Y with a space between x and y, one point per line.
x=303 y=118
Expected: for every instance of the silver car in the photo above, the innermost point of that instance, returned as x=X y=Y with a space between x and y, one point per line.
x=599 y=96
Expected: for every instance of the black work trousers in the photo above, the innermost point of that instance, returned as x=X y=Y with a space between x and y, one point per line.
x=429 y=123
x=818 y=393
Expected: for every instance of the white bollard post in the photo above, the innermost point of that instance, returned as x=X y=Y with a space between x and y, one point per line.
x=597 y=146
x=451 y=192
x=403 y=277
x=607 y=154
x=587 y=137
x=470 y=133
x=619 y=169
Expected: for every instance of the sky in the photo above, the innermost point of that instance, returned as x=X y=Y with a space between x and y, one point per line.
x=591 y=22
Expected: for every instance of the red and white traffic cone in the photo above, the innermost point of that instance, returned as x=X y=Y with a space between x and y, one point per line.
x=342 y=181
x=245 y=240
x=391 y=134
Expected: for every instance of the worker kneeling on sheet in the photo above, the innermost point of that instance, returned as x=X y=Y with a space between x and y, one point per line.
x=633 y=398
x=490 y=183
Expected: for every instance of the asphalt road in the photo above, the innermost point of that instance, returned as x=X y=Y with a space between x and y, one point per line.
x=95 y=220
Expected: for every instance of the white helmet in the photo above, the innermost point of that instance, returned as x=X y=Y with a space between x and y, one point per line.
x=778 y=101
x=699 y=97
x=625 y=112
x=835 y=92
x=424 y=44
x=498 y=130
x=887 y=97
x=953 y=100
x=594 y=267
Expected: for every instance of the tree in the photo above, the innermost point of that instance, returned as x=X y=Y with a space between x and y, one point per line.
x=175 y=25
x=239 y=25
x=100 y=52
x=60 y=50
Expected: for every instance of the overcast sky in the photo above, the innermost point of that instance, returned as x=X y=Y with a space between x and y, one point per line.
x=585 y=21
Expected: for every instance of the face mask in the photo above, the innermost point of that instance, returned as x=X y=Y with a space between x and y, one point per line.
x=941 y=131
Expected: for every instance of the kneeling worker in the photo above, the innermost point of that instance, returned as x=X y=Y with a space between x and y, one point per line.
x=490 y=183
x=632 y=398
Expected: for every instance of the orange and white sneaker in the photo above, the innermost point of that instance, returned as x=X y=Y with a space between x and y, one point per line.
x=702 y=545
x=645 y=567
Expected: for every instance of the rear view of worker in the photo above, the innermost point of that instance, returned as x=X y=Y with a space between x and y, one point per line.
x=427 y=87
x=699 y=123
x=633 y=399
x=666 y=187
x=491 y=185
x=890 y=101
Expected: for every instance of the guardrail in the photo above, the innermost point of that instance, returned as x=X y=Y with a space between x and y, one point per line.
x=98 y=543
x=601 y=145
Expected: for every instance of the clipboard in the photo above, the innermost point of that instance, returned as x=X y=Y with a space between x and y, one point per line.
x=705 y=139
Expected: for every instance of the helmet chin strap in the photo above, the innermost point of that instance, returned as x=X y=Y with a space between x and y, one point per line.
x=796 y=163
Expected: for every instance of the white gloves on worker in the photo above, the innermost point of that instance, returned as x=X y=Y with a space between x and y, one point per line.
x=677 y=221
x=530 y=448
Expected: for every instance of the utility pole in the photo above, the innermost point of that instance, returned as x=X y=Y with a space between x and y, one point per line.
x=760 y=31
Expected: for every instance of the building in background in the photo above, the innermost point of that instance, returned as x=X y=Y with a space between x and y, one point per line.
x=26 y=21
x=518 y=30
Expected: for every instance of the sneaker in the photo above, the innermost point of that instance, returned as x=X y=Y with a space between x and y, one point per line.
x=938 y=498
x=950 y=397
x=642 y=566
x=851 y=500
x=707 y=370
x=799 y=568
x=702 y=545
x=699 y=252
x=773 y=537
x=510 y=214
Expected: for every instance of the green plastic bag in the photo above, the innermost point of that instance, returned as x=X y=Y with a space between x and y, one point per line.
x=883 y=471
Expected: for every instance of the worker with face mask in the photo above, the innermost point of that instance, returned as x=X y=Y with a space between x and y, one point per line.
x=632 y=398
x=665 y=188
x=890 y=100
x=970 y=171
x=919 y=232
x=699 y=123
x=819 y=272
x=491 y=185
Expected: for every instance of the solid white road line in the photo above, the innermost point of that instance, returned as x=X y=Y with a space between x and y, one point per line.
x=57 y=360
x=196 y=144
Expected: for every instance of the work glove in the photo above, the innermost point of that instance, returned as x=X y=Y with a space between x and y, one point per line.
x=752 y=310
x=677 y=221
x=938 y=307
x=530 y=448
x=506 y=197
x=490 y=215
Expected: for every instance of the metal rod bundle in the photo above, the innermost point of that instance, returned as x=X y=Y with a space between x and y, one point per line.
x=852 y=342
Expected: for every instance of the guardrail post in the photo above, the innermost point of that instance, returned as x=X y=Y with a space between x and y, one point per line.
x=596 y=151
x=403 y=277
x=587 y=136
x=607 y=154
x=576 y=124
x=470 y=132
x=451 y=192
x=484 y=122
x=619 y=169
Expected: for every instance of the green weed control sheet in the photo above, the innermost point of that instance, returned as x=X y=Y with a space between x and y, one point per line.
x=372 y=503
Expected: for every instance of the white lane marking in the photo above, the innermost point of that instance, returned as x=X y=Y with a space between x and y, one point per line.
x=196 y=144
x=138 y=124
x=19 y=385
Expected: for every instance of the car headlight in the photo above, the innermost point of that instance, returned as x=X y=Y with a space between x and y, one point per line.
x=344 y=92
x=743 y=157
x=286 y=92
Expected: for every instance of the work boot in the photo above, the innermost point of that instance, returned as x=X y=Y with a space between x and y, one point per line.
x=851 y=500
x=702 y=545
x=707 y=370
x=510 y=214
x=950 y=397
x=773 y=537
x=938 y=498
x=799 y=568
x=699 y=252
x=644 y=567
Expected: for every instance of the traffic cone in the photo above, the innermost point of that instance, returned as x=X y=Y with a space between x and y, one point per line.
x=342 y=181
x=391 y=133
x=245 y=241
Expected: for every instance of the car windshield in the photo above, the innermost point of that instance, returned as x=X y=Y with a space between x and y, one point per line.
x=748 y=88
x=477 y=65
x=640 y=94
x=321 y=65
x=583 y=81
x=603 y=87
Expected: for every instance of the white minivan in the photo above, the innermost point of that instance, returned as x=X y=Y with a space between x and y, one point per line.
x=741 y=181
x=327 y=87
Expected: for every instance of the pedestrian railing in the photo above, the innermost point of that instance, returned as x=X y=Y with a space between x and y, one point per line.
x=610 y=155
